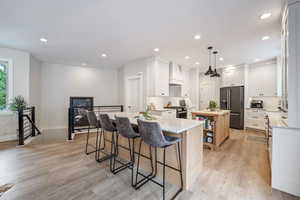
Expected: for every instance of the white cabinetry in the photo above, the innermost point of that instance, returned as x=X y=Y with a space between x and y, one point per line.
x=233 y=77
x=262 y=80
x=185 y=88
x=255 y=118
x=159 y=82
x=176 y=76
x=166 y=114
x=292 y=55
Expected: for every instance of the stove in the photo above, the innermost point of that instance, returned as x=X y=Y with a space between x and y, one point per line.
x=181 y=111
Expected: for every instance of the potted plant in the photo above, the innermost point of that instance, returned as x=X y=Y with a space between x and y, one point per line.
x=18 y=103
x=212 y=105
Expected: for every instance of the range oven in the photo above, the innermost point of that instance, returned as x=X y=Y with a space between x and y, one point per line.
x=181 y=111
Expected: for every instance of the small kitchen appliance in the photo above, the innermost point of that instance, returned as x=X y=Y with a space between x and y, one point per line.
x=257 y=104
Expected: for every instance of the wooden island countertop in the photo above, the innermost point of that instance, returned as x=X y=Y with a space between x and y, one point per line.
x=211 y=113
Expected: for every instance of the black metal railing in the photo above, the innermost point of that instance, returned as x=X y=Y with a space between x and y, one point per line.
x=78 y=121
x=27 y=126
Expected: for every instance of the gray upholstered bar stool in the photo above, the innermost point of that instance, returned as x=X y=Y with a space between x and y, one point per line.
x=152 y=135
x=94 y=123
x=108 y=126
x=126 y=130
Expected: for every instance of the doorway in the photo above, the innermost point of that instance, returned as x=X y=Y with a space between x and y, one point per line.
x=134 y=94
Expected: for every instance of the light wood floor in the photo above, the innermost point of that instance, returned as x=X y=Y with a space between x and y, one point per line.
x=46 y=170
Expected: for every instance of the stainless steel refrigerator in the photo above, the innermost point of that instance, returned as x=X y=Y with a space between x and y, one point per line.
x=232 y=98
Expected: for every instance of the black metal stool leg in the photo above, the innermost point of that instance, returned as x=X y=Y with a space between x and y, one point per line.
x=132 y=161
x=99 y=144
x=97 y=150
x=146 y=178
x=138 y=164
x=116 y=151
x=180 y=166
x=111 y=152
x=87 y=141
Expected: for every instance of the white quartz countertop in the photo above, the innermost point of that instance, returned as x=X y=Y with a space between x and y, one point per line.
x=276 y=120
x=162 y=110
x=176 y=125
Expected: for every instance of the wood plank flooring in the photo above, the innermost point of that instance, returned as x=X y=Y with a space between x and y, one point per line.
x=59 y=170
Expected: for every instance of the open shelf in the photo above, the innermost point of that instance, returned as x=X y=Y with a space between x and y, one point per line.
x=208 y=130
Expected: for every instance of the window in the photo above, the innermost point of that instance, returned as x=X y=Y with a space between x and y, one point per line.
x=3 y=84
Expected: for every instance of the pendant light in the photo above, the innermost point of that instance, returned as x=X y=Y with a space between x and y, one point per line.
x=215 y=73
x=209 y=71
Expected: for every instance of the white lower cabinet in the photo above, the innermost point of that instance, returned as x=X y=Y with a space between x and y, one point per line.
x=255 y=118
x=166 y=114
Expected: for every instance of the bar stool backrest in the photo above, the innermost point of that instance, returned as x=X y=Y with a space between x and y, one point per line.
x=124 y=127
x=106 y=123
x=151 y=133
x=92 y=119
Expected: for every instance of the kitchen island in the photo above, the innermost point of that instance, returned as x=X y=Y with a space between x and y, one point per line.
x=216 y=128
x=191 y=132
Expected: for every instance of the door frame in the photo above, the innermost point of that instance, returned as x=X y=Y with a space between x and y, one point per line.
x=141 y=98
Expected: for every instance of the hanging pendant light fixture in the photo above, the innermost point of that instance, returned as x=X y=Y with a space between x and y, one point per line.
x=215 y=73
x=209 y=71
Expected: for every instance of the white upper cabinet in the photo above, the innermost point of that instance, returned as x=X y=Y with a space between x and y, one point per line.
x=176 y=74
x=185 y=89
x=262 y=80
x=292 y=58
x=233 y=77
x=159 y=78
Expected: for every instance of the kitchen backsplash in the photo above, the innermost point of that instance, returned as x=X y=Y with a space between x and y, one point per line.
x=269 y=103
x=161 y=102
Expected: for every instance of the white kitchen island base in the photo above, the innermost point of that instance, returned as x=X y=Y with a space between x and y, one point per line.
x=191 y=153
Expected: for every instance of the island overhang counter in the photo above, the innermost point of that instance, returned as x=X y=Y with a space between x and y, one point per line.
x=191 y=133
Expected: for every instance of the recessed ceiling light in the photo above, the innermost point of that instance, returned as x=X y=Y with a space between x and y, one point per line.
x=221 y=59
x=265 y=15
x=104 y=55
x=187 y=57
x=156 y=49
x=44 y=40
x=197 y=37
x=256 y=60
x=265 y=38
x=83 y=64
x=197 y=63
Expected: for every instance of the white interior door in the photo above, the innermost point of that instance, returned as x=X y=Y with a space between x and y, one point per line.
x=134 y=94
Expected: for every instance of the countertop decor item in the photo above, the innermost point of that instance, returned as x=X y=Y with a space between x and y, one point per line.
x=212 y=105
x=145 y=115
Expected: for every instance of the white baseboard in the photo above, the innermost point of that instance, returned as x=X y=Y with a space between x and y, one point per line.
x=6 y=138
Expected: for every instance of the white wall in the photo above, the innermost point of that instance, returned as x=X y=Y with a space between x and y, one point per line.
x=20 y=82
x=20 y=62
x=59 y=82
x=138 y=67
x=211 y=86
x=35 y=87
x=194 y=87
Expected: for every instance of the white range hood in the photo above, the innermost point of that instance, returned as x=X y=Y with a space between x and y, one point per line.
x=176 y=74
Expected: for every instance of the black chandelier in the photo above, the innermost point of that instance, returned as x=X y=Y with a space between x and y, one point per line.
x=215 y=73
x=209 y=71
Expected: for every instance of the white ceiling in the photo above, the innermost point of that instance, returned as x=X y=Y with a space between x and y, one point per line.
x=81 y=30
